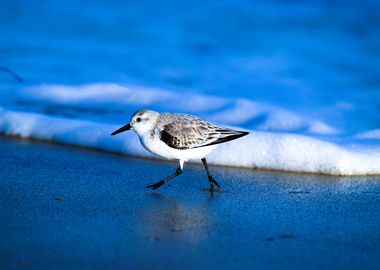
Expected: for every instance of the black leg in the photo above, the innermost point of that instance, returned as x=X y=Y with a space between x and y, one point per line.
x=160 y=183
x=210 y=178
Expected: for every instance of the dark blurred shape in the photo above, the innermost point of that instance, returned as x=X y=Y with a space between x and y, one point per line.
x=12 y=74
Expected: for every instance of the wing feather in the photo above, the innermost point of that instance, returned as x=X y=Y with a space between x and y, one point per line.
x=187 y=132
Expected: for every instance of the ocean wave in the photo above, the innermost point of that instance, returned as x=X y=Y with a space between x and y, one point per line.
x=279 y=139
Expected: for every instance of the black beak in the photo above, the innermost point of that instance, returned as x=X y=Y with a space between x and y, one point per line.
x=123 y=128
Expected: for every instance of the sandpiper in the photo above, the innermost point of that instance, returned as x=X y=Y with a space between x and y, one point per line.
x=181 y=137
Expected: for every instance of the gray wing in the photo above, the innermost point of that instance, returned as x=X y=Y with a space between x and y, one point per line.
x=187 y=132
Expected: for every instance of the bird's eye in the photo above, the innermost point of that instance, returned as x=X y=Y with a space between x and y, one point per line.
x=138 y=119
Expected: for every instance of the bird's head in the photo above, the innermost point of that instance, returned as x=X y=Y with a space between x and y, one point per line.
x=142 y=121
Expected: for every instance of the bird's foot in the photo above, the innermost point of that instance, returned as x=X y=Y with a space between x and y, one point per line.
x=156 y=185
x=212 y=182
x=213 y=190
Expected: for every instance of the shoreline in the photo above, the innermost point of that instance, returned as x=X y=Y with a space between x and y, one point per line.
x=153 y=158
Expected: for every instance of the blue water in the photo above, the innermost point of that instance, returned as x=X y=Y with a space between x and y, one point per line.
x=319 y=59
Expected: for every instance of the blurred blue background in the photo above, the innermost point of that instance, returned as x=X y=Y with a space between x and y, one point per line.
x=314 y=58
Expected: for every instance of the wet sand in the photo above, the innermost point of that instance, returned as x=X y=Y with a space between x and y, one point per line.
x=69 y=208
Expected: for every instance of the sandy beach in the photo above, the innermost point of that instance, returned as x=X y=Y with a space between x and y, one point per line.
x=69 y=208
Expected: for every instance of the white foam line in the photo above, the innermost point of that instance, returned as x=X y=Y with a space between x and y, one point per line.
x=287 y=152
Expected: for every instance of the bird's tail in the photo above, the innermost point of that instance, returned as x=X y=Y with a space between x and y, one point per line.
x=225 y=135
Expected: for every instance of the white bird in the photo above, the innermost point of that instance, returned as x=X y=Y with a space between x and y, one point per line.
x=181 y=137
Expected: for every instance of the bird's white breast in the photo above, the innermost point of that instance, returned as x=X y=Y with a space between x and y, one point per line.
x=154 y=145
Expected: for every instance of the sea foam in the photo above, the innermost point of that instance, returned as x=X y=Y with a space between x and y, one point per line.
x=275 y=150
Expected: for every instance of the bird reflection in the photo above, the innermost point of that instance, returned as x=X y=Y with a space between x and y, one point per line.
x=168 y=219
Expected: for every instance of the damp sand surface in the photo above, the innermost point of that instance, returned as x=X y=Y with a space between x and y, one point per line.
x=69 y=208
